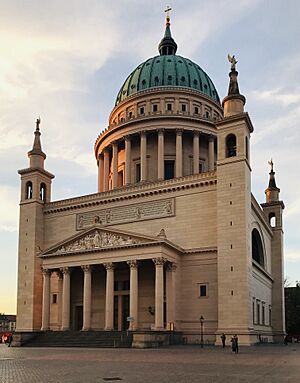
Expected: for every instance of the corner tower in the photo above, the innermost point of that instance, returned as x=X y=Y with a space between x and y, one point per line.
x=35 y=192
x=234 y=214
x=273 y=209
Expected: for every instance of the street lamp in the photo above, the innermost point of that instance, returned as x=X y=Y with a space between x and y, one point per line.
x=201 y=330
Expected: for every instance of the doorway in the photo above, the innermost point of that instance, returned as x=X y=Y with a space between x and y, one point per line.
x=78 y=323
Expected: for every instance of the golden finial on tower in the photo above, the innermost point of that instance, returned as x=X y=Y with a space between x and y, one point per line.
x=167 y=10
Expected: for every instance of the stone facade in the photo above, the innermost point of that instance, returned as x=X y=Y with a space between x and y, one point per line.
x=173 y=233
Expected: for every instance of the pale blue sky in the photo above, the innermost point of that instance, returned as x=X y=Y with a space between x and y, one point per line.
x=66 y=60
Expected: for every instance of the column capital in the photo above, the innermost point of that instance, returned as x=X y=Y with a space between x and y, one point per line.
x=106 y=150
x=179 y=132
x=109 y=266
x=143 y=132
x=87 y=268
x=114 y=143
x=161 y=131
x=127 y=137
x=59 y=274
x=133 y=264
x=65 y=270
x=196 y=133
x=46 y=272
x=160 y=261
x=211 y=137
x=170 y=266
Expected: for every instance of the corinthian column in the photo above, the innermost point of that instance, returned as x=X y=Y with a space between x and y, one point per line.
x=109 y=302
x=100 y=173
x=115 y=165
x=196 y=151
x=59 y=296
x=178 y=153
x=143 y=156
x=105 y=169
x=87 y=297
x=133 y=300
x=127 y=160
x=66 y=299
x=160 y=155
x=159 y=293
x=46 y=300
x=170 y=291
x=211 y=153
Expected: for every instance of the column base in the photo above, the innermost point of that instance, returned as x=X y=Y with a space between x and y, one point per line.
x=45 y=328
x=108 y=329
x=65 y=329
x=85 y=329
x=159 y=329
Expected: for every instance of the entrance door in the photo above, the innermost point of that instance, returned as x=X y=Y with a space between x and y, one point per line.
x=125 y=312
x=78 y=318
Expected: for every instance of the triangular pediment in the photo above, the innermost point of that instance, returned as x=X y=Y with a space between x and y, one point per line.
x=98 y=238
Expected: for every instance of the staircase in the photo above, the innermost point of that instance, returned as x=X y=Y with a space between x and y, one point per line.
x=93 y=339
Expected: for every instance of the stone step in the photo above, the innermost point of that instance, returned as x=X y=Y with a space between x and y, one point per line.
x=81 y=339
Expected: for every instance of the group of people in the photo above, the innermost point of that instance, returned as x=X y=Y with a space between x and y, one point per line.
x=234 y=343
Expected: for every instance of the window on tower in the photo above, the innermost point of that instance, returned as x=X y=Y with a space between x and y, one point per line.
x=28 y=190
x=231 y=145
x=43 y=192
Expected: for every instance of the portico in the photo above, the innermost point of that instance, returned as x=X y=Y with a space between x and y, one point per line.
x=120 y=269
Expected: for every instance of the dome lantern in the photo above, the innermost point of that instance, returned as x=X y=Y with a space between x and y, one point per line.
x=167 y=45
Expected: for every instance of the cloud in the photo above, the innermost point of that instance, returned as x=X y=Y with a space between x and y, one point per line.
x=9 y=208
x=277 y=96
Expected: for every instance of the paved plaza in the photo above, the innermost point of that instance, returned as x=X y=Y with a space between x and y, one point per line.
x=174 y=364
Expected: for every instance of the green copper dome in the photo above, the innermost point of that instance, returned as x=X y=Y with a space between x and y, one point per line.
x=167 y=69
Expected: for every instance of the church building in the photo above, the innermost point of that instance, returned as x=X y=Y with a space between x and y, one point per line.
x=173 y=236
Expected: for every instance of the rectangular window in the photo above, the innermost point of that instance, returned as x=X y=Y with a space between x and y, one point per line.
x=116 y=285
x=154 y=108
x=196 y=110
x=130 y=115
x=270 y=316
x=258 y=313
x=137 y=172
x=183 y=107
x=169 y=169
x=169 y=107
x=203 y=290
x=125 y=285
x=263 y=314
x=142 y=110
x=253 y=311
x=54 y=298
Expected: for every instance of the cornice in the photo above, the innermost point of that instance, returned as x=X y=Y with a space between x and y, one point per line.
x=256 y=207
x=132 y=192
x=210 y=125
x=36 y=169
x=235 y=118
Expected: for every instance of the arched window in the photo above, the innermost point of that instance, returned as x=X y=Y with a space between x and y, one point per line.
x=28 y=190
x=272 y=219
x=231 y=145
x=257 y=248
x=43 y=192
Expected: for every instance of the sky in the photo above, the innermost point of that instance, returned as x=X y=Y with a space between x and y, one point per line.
x=66 y=61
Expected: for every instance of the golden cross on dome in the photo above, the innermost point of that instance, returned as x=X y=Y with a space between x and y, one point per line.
x=167 y=10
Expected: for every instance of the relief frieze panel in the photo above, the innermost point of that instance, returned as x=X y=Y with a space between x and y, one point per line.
x=124 y=214
x=96 y=240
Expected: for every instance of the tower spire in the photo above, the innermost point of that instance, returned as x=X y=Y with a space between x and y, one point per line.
x=36 y=155
x=272 y=192
x=234 y=102
x=167 y=45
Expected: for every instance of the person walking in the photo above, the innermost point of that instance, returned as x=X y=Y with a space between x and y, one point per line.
x=223 y=339
x=10 y=339
x=236 y=340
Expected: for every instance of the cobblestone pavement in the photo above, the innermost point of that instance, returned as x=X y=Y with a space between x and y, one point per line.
x=184 y=364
